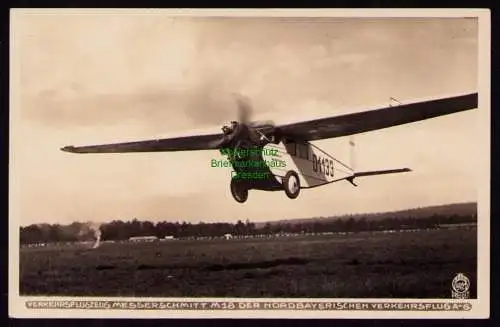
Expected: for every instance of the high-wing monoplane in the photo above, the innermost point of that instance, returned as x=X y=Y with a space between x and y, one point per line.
x=269 y=157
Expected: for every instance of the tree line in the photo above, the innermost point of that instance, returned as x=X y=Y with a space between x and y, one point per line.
x=122 y=230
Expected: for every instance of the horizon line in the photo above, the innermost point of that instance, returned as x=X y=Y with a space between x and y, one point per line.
x=260 y=222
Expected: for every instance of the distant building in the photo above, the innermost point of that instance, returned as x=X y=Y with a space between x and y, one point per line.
x=228 y=236
x=168 y=237
x=143 y=238
x=456 y=226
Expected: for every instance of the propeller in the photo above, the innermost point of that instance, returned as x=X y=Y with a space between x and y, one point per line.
x=244 y=107
x=244 y=110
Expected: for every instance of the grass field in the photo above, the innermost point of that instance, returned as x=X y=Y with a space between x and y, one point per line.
x=365 y=265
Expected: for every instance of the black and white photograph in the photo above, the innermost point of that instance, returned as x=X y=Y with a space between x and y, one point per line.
x=204 y=163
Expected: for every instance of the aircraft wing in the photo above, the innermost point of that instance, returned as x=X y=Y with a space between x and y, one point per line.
x=186 y=143
x=361 y=122
x=310 y=130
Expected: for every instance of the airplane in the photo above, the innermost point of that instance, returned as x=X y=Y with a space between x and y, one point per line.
x=269 y=157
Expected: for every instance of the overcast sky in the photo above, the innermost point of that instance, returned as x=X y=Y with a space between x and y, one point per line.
x=87 y=79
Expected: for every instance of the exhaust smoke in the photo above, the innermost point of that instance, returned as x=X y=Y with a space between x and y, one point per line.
x=90 y=230
x=97 y=234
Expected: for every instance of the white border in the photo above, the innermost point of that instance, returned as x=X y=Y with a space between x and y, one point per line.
x=480 y=307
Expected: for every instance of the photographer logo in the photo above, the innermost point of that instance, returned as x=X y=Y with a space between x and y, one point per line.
x=460 y=287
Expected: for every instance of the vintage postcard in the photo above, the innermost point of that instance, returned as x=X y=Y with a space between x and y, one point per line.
x=249 y=163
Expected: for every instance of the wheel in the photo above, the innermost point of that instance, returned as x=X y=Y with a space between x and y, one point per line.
x=238 y=190
x=291 y=184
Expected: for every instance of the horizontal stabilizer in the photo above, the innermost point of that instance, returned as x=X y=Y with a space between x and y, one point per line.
x=381 y=172
x=350 y=179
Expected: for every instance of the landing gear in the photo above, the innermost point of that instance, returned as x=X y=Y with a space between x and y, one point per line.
x=291 y=184
x=239 y=191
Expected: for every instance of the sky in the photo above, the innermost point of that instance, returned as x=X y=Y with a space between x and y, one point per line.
x=98 y=78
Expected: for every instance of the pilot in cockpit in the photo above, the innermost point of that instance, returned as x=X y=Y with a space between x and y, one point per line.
x=230 y=129
x=229 y=133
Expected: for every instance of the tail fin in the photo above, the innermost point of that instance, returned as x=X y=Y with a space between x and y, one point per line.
x=355 y=174
x=352 y=154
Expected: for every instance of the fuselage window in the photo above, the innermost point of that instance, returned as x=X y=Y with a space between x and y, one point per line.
x=290 y=148
x=302 y=150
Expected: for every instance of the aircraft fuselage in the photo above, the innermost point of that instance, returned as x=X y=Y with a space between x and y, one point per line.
x=264 y=166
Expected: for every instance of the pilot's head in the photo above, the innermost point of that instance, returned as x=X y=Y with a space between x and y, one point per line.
x=234 y=123
x=226 y=130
